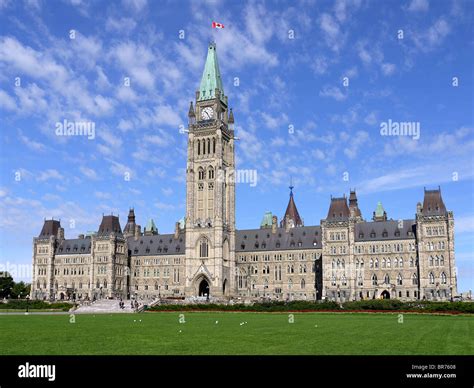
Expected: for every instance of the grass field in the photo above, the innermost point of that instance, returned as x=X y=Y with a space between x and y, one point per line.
x=217 y=333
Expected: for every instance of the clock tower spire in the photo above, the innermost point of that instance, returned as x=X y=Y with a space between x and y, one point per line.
x=210 y=188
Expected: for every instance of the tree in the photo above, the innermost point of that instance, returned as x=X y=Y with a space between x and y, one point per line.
x=6 y=284
x=20 y=289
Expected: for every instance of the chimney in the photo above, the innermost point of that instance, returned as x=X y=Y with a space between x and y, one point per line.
x=287 y=223
x=274 y=224
x=176 y=230
x=60 y=234
x=81 y=237
x=137 y=231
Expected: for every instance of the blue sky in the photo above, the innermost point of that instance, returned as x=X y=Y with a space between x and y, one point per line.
x=283 y=65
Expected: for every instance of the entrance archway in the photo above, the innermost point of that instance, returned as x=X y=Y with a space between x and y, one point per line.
x=224 y=287
x=61 y=296
x=385 y=295
x=204 y=288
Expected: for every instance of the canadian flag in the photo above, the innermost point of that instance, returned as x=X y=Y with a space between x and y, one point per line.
x=217 y=25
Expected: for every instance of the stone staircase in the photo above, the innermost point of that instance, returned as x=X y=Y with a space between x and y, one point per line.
x=104 y=306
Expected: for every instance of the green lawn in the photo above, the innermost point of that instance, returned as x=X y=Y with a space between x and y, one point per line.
x=311 y=333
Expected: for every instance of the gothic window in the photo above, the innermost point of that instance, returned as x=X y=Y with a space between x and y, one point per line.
x=344 y=280
x=371 y=265
x=441 y=260
x=208 y=146
x=432 y=278
x=383 y=263
x=204 y=146
x=431 y=261
x=360 y=281
x=203 y=248
x=389 y=263
x=362 y=264
x=387 y=279
x=211 y=173
x=395 y=263
x=443 y=278
x=411 y=262
x=376 y=263
x=303 y=284
x=333 y=280
x=213 y=145
x=201 y=173
x=105 y=283
x=399 y=280
x=437 y=261
x=374 y=279
x=401 y=262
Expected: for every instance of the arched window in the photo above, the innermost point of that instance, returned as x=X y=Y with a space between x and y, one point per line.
x=441 y=260
x=383 y=263
x=374 y=279
x=203 y=248
x=389 y=263
x=338 y=263
x=399 y=279
x=333 y=264
x=201 y=173
x=414 y=279
x=357 y=263
x=199 y=147
x=437 y=261
x=290 y=283
x=432 y=278
x=401 y=262
x=97 y=284
x=105 y=283
x=333 y=280
x=443 y=278
x=208 y=146
x=371 y=265
x=386 y=279
x=395 y=263
x=213 y=145
x=411 y=262
x=431 y=261
x=303 y=284
x=203 y=146
x=376 y=263
x=344 y=280
x=211 y=173
x=362 y=264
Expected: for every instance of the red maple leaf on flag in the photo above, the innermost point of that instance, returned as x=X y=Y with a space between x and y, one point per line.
x=217 y=25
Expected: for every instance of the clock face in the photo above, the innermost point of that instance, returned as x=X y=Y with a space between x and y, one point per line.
x=207 y=113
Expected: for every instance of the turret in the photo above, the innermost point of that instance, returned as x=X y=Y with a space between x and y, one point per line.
x=231 y=120
x=191 y=114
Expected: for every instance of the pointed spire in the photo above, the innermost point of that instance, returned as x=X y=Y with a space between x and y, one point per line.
x=291 y=216
x=191 y=110
x=211 y=77
x=231 y=117
x=353 y=204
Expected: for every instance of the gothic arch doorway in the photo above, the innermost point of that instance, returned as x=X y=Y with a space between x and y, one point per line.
x=385 y=295
x=224 y=286
x=203 y=288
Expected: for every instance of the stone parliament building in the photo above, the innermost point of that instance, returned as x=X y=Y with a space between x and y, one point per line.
x=344 y=258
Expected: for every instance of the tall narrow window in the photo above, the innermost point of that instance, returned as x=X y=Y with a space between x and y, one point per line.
x=213 y=145
x=443 y=278
x=432 y=279
x=203 y=248
x=199 y=147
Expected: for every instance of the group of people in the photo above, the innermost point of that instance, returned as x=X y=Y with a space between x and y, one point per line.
x=133 y=304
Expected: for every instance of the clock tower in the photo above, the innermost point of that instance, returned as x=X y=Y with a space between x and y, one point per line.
x=210 y=188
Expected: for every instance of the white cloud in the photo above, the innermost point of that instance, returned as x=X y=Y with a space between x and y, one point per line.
x=388 y=68
x=355 y=142
x=6 y=101
x=418 y=5
x=277 y=142
x=318 y=154
x=88 y=172
x=102 y=195
x=433 y=37
x=48 y=174
x=166 y=115
x=122 y=25
x=333 y=92
x=464 y=224
x=31 y=144
x=272 y=121
x=167 y=191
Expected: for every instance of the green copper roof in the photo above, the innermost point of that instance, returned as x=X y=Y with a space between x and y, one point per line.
x=211 y=77
x=150 y=226
x=266 y=220
x=380 y=210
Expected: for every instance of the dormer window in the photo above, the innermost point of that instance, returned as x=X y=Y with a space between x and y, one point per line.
x=372 y=234
x=177 y=248
x=147 y=250
x=264 y=245
x=397 y=233
x=384 y=233
x=135 y=251
x=256 y=244
x=165 y=249
x=242 y=246
x=361 y=235
x=277 y=244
